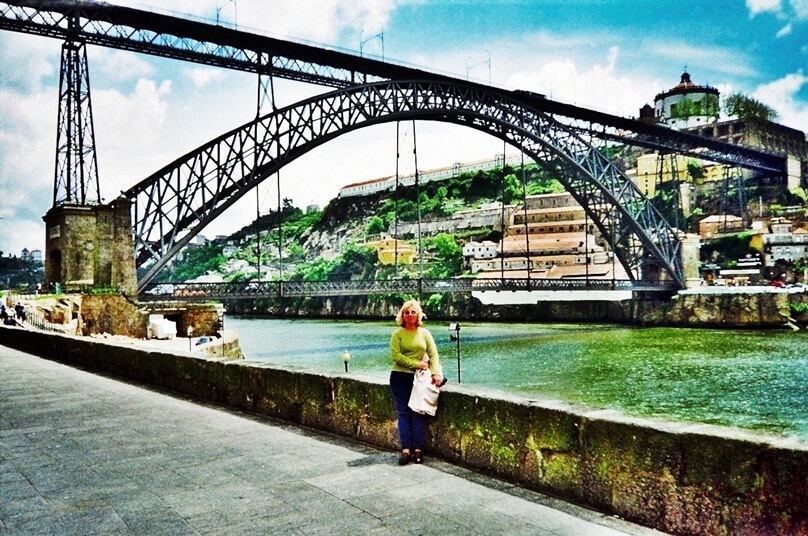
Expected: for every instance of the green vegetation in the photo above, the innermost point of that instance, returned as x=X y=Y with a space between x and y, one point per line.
x=706 y=106
x=373 y=215
x=19 y=274
x=744 y=107
x=197 y=261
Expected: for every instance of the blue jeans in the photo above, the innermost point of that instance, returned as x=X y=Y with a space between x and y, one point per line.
x=411 y=425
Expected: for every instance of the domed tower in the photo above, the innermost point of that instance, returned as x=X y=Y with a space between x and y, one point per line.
x=687 y=105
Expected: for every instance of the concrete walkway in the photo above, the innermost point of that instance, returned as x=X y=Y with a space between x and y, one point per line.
x=86 y=454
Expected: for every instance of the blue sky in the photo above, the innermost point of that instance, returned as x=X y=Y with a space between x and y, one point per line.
x=608 y=55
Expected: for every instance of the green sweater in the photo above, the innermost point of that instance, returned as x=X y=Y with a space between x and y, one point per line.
x=407 y=348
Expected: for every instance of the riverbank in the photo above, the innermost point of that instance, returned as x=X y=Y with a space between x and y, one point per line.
x=705 y=307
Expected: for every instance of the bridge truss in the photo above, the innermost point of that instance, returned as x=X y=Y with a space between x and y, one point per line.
x=269 y=289
x=175 y=203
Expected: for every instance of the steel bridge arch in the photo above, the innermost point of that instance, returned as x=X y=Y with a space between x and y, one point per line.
x=174 y=204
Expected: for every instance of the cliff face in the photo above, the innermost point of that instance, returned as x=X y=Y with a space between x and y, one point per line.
x=757 y=311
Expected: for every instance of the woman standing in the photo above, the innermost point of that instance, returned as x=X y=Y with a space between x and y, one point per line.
x=409 y=345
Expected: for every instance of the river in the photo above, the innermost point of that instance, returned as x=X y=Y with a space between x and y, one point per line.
x=750 y=379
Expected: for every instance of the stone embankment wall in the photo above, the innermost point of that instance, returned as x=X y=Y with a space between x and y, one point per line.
x=765 y=310
x=720 y=310
x=680 y=478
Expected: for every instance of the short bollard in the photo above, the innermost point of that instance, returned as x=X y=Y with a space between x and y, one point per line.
x=455 y=326
x=346 y=358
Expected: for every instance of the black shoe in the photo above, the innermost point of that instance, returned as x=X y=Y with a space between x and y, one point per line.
x=404 y=459
x=418 y=457
x=443 y=381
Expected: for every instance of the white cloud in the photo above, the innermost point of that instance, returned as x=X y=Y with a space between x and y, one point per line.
x=27 y=155
x=800 y=8
x=725 y=60
x=797 y=9
x=115 y=66
x=202 y=76
x=784 y=31
x=27 y=61
x=781 y=95
x=598 y=87
x=763 y=6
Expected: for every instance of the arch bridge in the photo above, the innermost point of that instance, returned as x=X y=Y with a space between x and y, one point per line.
x=175 y=203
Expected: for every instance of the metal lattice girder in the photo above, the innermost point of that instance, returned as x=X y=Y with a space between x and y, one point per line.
x=76 y=176
x=176 y=203
x=270 y=289
x=102 y=24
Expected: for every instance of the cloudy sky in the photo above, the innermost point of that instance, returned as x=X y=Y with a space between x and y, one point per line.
x=609 y=55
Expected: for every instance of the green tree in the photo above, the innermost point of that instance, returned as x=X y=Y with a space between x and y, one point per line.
x=744 y=107
x=686 y=107
x=447 y=256
x=376 y=226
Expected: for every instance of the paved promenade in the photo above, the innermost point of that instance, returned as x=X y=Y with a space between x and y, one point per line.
x=86 y=454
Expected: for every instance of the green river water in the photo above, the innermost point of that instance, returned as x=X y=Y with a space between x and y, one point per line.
x=751 y=379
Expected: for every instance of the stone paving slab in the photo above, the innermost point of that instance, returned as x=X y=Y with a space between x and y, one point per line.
x=84 y=454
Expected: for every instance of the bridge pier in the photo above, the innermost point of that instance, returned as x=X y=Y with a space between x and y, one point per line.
x=90 y=245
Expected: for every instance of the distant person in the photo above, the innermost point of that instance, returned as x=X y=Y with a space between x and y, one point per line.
x=409 y=344
x=3 y=313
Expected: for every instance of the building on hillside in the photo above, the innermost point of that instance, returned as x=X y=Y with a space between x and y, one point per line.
x=480 y=250
x=766 y=135
x=36 y=256
x=489 y=216
x=654 y=169
x=390 y=249
x=720 y=224
x=549 y=237
x=694 y=108
x=783 y=242
x=478 y=254
x=388 y=184
x=747 y=271
x=685 y=105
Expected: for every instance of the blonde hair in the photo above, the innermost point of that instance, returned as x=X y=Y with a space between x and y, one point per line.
x=410 y=304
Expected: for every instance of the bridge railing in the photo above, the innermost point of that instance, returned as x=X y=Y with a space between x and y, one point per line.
x=269 y=289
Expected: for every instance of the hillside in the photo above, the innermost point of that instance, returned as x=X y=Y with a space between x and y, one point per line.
x=332 y=243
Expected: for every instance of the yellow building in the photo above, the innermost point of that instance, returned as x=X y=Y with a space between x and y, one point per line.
x=648 y=171
x=388 y=249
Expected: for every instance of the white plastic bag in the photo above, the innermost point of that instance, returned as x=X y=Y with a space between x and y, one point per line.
x=424 y=396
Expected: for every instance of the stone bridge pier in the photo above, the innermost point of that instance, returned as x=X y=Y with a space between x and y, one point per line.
x=90 y=246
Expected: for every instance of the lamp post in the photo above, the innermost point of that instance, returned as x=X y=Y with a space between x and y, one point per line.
x=484 y=62
x=190 y=331
x=362 y=42
x=455 y=327
x=346 y=358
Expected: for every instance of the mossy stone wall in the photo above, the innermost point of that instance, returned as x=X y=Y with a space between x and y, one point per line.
x=680 y=478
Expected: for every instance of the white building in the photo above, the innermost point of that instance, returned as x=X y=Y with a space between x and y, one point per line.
x=784 y=243
x=687 y=105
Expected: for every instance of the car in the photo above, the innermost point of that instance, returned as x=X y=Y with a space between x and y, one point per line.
x=203 y=340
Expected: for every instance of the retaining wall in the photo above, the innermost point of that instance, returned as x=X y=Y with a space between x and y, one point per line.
x=679 y=478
